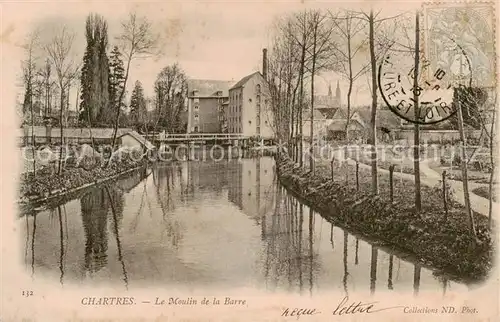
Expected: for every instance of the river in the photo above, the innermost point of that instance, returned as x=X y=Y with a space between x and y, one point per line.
x=209 y=225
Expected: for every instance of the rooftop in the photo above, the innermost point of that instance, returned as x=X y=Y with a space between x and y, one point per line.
x=244 y=80
x=208 y=87
x=140 y=139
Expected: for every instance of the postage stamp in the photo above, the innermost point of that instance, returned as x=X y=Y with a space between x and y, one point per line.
x=471 y=27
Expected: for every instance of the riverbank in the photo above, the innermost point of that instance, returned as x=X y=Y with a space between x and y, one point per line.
x=46 y=184
x=432 y=237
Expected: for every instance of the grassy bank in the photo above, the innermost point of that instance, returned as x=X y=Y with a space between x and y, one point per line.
x=485 y=192
x=46 y=183
x=432 y=237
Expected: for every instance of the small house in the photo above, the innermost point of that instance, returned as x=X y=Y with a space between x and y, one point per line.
x=134 y=140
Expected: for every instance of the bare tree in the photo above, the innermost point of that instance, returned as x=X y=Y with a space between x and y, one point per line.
x=373 y=119
x=465 y=179
x=284 y=80
x=29 y=74
x=492 y=144
x=416 y=139
x=300 y=32
x=48 y=83
x=59 y=50
x=350 y=27
x=373 y=24
x=137 y=40
x=322 y=49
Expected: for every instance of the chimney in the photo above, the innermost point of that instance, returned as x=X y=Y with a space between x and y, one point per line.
x=264 y=63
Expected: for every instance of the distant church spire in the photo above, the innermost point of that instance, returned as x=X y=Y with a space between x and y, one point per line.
x=330 y=89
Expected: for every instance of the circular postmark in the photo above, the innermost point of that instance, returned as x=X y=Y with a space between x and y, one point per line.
x=434 y=90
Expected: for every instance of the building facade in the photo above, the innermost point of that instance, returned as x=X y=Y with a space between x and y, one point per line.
x=248 y=111
x=205 y=104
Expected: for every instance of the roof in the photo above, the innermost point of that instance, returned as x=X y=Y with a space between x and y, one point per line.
x=339 y=125
x=208 y=87
x=245 y=79
x=327 y=112
x=317 y=115
x=140 y=139
x=326 y=101
x=385 y=117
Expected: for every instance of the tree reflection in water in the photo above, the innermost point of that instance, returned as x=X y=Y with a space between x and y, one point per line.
x=286 y=258
x=373 y=269
x=346 y=274
x=164 y=182
x=117 y=215
x=94 y=210
x=96 y=206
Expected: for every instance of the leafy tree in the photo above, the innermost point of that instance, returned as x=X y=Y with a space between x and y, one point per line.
x=94 y=106
x=170 y=93
x=116 y=80
x=137 y=106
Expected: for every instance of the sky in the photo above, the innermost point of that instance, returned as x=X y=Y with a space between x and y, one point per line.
x=220 y=40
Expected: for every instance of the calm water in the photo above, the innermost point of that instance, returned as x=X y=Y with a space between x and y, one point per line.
x=208 y=225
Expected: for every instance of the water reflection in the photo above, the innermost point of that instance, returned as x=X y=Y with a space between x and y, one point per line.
x=94 y=212
x=210 y=225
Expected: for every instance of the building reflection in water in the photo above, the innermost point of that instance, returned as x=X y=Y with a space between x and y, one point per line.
x=291 y=247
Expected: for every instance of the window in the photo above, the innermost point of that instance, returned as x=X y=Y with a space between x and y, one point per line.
x=196 y=106
x=250 y=100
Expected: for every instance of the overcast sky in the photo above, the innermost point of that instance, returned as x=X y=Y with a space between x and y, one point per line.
x=210 y=40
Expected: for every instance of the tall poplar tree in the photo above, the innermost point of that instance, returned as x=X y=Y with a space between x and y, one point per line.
x=94 y=106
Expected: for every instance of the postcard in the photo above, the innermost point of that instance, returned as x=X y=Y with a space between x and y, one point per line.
x=249 y=161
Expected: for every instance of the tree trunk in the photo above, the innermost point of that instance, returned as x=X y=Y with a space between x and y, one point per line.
x=463 y=163
x=373 y=120
x=301 y=103
x=311 y=138
x=349 y=91
x=30 y=100
x=492 y=161
x=60 y=169
x=416 y=136
x=120 y=99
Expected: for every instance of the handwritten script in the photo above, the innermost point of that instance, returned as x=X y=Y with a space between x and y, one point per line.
x=358 y=307
x=343 y=308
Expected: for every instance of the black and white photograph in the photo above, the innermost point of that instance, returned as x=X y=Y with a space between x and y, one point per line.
x=249 y=160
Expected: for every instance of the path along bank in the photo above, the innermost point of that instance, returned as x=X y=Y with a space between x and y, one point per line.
x=433 y=238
